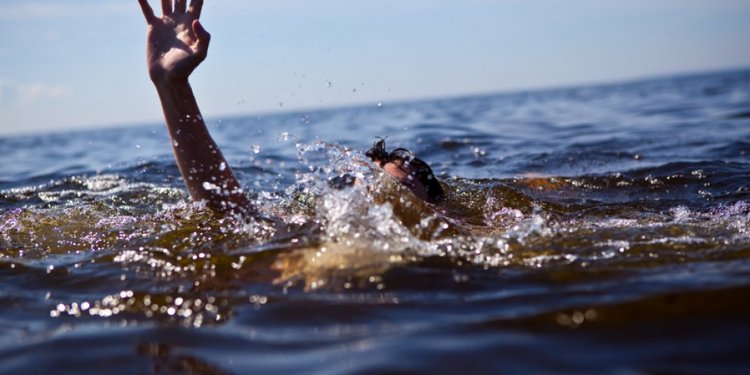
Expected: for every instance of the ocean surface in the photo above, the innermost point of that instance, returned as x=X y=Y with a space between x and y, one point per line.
x=600 y=229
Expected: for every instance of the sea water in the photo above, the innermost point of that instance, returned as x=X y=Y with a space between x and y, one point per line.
x=597 y=229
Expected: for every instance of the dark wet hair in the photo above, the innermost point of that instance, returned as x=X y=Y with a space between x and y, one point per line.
x=402 y=156
x=378 y=152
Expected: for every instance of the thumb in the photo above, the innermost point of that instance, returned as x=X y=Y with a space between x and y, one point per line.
x=203 y=36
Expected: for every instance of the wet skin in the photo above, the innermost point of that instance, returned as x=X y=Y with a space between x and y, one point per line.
x=405 y=174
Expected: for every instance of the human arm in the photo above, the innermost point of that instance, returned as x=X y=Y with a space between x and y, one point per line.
x=176 y=44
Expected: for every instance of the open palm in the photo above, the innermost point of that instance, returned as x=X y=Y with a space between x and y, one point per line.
x=177 y=43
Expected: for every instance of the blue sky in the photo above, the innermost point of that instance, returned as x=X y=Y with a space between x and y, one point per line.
x=80 y=63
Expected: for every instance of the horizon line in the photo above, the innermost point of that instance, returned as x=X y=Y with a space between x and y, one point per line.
x=399 y=101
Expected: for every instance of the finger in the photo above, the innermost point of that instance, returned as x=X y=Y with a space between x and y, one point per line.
x=195 y=8
x=147 y=11
x=204 y=38
x=166 y=7
x=179 y=6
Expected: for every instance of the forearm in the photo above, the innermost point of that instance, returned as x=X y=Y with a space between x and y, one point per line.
x=201 y=163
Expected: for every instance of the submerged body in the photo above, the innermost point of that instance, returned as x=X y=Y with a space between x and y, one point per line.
x=176 y=44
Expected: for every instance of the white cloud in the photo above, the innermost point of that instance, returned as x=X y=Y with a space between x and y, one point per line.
x=12 y=94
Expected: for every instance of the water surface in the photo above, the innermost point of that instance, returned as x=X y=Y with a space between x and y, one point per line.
x=600 y=229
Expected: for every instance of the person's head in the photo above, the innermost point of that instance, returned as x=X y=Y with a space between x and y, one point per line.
x=407 y=169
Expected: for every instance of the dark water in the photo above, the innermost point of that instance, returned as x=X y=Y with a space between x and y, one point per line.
x=587 y=230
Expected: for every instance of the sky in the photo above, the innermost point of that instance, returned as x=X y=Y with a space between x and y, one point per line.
x=71 y=64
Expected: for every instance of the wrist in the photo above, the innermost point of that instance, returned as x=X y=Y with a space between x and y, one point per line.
x=169 y=81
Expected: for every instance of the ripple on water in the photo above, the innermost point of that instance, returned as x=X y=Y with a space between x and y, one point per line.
x=611 y=221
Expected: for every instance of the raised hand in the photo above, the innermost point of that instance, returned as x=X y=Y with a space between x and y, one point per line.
x=177 y=42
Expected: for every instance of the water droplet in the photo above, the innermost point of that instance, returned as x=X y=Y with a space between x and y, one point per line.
x=209 y=186
x=380 y=104
x=256 y=149
x=591 y=314
x=329 y=84
x=578 y=317
x=222 y=166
